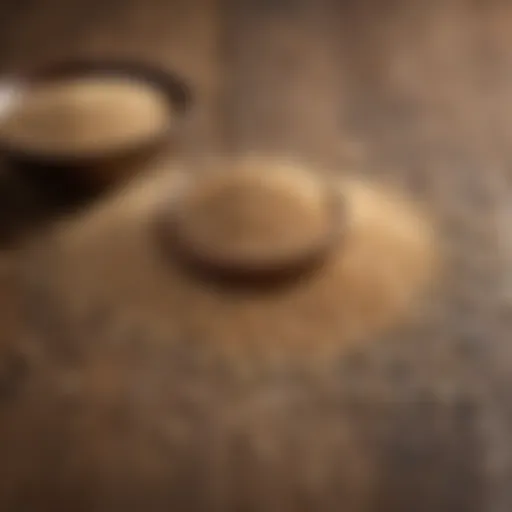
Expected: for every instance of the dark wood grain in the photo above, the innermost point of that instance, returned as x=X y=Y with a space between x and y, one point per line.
x=414 y=92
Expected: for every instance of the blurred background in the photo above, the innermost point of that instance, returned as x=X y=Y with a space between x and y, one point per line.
x=410 y=91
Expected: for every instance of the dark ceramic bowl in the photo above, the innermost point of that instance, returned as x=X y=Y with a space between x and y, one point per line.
x=70 y=175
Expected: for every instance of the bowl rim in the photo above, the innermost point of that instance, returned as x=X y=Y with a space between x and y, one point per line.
x=175 y=88
x=224 y=267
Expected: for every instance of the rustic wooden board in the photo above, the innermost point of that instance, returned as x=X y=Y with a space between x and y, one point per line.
x=414 y=92
x=417 y=93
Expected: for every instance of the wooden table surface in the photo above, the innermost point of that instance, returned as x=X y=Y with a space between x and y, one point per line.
x=415 y=92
